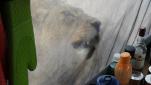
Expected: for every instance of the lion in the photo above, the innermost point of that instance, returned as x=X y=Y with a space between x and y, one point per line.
x=64 y=37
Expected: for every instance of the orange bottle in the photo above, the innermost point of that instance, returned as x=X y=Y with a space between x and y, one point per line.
x=123 y=69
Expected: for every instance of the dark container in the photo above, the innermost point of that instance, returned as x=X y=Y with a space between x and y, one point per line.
x=107 y=80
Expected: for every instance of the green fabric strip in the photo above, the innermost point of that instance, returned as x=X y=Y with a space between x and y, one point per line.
x=21 y=40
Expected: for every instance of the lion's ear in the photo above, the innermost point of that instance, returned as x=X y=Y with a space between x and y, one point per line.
x=96 y=25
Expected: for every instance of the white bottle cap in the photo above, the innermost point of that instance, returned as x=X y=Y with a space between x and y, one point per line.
x=137 y=76
x=149 y=69
x=116 y=57
x=148 y=79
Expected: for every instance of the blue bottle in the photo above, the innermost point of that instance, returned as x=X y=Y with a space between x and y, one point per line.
x=107 y=80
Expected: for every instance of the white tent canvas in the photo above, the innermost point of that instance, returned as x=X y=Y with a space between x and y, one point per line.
x=64 y=30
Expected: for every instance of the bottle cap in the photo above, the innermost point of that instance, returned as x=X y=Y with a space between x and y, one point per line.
x=142 y=31
x=130 y=49
x=148 y=79
x=136 y=76
x=107 y=80
x=116 y=57
x=125 y=57
x=149 y=69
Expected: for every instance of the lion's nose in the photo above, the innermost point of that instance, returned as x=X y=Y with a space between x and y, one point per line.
x=96 y=25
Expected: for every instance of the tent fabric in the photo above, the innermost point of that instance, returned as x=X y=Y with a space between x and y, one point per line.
x=21 y=44
x=120 y=22
x=2 y=53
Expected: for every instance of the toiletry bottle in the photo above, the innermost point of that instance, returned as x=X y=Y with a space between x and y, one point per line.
x=123 y=69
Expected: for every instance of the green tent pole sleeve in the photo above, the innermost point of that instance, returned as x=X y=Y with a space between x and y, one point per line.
x=17 y=17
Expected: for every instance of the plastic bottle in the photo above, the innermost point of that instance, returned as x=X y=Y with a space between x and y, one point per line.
x=112 y=65
x=123 y=69
x=131 y=49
